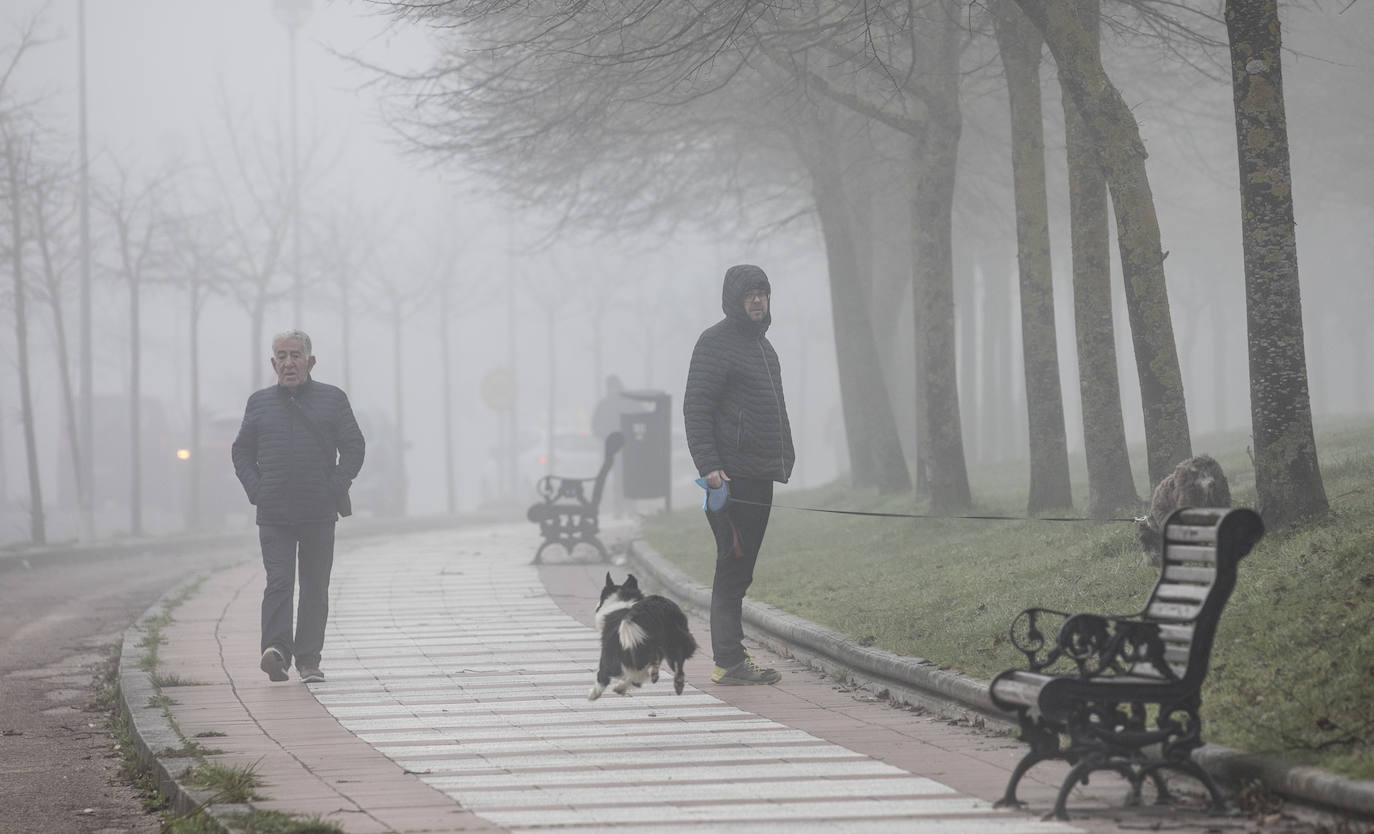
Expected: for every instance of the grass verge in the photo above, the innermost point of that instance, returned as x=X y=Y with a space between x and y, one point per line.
x=1293 y=664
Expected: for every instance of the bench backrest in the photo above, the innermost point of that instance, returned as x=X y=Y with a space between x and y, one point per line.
x=1202 y=548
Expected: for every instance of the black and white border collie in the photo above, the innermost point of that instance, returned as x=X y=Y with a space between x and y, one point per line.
x=638 y=633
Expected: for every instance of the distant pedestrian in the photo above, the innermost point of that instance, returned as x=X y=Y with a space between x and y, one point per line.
x=297 y=452
x=605 y=420
x=737 y=432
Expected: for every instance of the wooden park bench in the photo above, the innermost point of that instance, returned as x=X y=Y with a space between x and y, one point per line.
x=1125 y=691
x=567 y=513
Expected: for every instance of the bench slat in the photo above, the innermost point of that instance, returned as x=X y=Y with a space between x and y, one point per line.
x=1020 y=687
x=1145 y=670
x=1172 y=591
x=1184 y=573
x=1188 y=533
x=1176 y=633
x=1172 y=611
x=1175 y=553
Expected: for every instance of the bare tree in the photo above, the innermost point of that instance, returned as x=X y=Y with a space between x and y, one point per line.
x=17 y=140
x=1020 y=46
x=1288 y=481
x=133 y=210
x=17 y=146
x=52 y=207
x=1110 y=485
x=1117 y=136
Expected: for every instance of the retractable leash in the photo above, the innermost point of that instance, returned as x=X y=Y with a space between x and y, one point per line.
x=734 y=500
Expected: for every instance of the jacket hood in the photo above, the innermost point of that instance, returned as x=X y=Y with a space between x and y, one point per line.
x=739 y=279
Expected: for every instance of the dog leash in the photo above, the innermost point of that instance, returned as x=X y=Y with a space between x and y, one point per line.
x=733 y=500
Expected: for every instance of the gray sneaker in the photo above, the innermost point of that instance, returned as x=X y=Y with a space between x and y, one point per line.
x=273 y=663
x=745 y=673
x=310 y=674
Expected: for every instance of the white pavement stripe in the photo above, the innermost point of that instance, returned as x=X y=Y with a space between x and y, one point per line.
x=623 y=759
x=657 y=741
x=371 y=684
x=658 y=728
x=579 y=705
x=405 y=695
x=543 y=796
x=529 y=720
x=839 y=809
x=839 y=768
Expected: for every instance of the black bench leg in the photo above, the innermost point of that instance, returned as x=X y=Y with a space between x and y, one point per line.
x=539 y=554
x=1193 y=769
x=1027 y=762
x=1077 y=773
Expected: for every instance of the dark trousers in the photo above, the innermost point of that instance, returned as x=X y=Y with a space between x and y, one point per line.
x=739 y=533
x=284 y=547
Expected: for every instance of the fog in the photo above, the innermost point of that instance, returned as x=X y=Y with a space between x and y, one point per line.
x=165 y=78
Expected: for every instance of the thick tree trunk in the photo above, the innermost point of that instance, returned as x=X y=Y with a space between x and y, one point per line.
x=397 y=332
x=255 y=337
x=875 y=452
x=938 y=392
x=1110 y=484
x=37 y=520
x=1288 y=482
x=1020 y=46
x=1109 y=118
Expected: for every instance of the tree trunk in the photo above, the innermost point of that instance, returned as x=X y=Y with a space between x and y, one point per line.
x=37 y=521
x=1109 y=119
x=450 y=481
x=938 y=394
x=1020 y=45
x=135 y=415
x=1110 y=483
x=875 y=452
x=398 y=326
x=64 y=371
x=935 y=154
x=1288 y=482
x=193 y=502
x=255 y=337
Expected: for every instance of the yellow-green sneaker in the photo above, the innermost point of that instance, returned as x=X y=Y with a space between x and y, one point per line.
x=745 y=673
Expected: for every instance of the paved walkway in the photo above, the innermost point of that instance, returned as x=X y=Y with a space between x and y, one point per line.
x=456 y=701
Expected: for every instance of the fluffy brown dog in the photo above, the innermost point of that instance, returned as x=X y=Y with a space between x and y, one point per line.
x=1196 y=482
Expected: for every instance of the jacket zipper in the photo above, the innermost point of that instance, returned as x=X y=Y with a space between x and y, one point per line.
x=782 y=447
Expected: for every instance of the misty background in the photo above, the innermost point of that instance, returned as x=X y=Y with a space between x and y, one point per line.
x=191 y=100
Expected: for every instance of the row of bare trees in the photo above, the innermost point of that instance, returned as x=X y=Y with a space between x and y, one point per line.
x=624 y=114
x=210 y=229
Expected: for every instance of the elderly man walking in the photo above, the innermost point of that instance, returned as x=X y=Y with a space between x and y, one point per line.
x=738 y=433
x=296 y=454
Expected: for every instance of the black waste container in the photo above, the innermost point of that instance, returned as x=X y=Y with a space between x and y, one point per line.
x=645 y=462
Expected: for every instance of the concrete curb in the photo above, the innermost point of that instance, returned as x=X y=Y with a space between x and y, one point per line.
x=921 y=683
x=153 y=734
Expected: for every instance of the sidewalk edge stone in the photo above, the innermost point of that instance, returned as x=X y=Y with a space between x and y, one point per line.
x=152 y=733
x=922 y=683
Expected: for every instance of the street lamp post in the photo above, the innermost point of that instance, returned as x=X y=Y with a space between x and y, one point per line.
x=293 y=15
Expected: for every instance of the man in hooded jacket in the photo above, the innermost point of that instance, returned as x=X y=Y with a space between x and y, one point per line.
x=737 y=432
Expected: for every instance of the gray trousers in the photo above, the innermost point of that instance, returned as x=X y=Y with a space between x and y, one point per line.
x=738 y=530
x=285 y=548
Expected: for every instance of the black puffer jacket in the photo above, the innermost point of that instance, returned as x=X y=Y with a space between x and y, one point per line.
x=733 y=408
x=283 y=468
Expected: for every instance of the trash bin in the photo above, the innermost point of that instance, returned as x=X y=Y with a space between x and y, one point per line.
x=645 y=461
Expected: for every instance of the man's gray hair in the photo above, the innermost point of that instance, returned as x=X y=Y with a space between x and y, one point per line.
x=292 y=334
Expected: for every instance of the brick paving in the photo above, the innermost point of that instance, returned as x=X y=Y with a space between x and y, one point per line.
x=456 y=701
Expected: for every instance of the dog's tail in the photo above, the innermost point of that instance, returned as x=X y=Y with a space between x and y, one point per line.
x=632 y=634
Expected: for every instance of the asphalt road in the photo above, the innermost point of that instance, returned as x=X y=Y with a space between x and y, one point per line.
x=61 y=617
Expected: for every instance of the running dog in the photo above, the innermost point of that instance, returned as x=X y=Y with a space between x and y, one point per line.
x=638 y=633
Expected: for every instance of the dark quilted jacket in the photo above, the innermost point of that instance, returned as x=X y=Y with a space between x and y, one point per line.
x=733 y=408
x=288 y=476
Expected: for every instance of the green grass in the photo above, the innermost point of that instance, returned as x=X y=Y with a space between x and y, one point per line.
x=1293 y=663
x=230 y=783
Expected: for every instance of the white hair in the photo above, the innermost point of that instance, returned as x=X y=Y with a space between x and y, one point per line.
x=292 y=334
